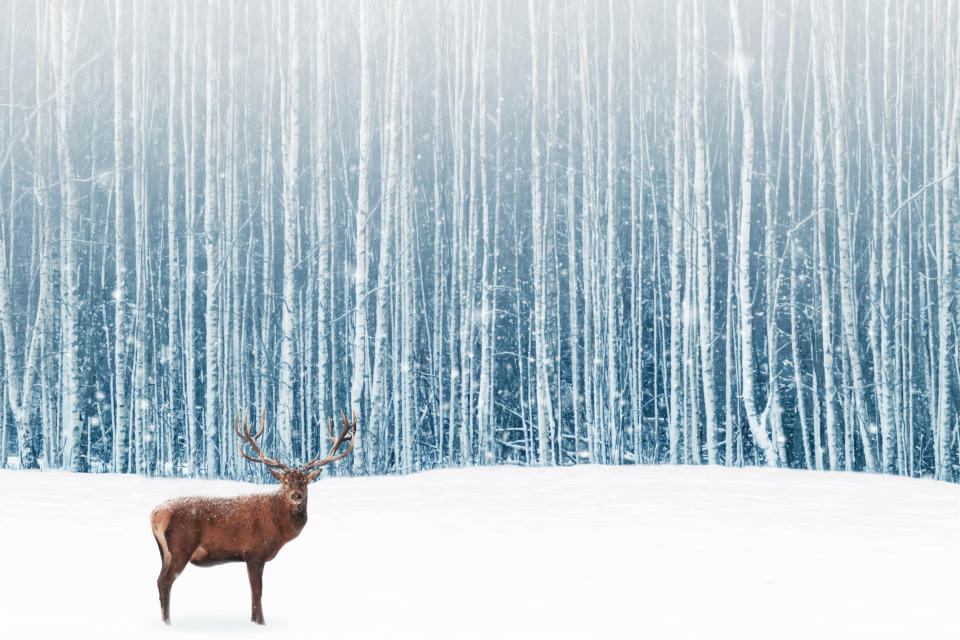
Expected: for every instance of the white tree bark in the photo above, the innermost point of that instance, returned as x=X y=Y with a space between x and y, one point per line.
x=773 y=409
x=142 y=407
x=946 y=359
x=189 y=124
x=845 y=272
x=62 y=42
x=290 y=142
x=120 y=419
x=19 y=387
x=408 y=276
x=704 y=237
x=211 y=415
x=676 y=247
x=386 y=273
x=574 y=275
x=834 y=446
x=488 y=276
x=545 y=418
x=757 y=422
x=614 y=436
x=322 y=214
x=171 y=357
x=359 y=380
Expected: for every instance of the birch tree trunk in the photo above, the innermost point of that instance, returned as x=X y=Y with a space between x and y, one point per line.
x=121 y=424
x=676 y=248
x=704 y=238
x=773 y=409
x=834 y=446
x=757 y=422
x=359 y=380
x=574 y=277
x=290 y=136
x=408 y=291
x=945 y=426
x=845 y=273
x=188 y=113
x=62 y=42
x=545 y=420
x=142 y=405
x=812 y=458
x=385 y=264
x=615 y=454
x=487 y=381
x=324 y=231
x=171 y=357
x=211 y=414
x=888 y=367
x=19 y=389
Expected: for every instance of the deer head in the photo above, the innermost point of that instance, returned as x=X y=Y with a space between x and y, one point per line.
x=294 y=479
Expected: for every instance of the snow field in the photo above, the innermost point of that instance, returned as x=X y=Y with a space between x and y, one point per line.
x=582 y=552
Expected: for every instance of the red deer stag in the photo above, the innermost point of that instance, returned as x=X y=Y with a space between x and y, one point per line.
x=251 y=528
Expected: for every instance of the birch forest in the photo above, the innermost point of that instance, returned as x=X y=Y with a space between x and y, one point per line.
x=540 y=232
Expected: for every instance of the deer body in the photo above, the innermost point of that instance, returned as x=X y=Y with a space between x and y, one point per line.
x=218 y=530
x=252 y=529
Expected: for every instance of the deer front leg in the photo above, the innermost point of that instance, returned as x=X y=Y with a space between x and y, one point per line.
x=255 y=573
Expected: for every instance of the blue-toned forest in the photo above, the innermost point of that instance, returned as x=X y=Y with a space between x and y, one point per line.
x=536 y=233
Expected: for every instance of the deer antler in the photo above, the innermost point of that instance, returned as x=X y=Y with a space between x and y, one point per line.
x=251 y=439
x=349 y=430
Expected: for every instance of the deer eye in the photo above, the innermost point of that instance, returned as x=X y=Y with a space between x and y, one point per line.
x=297 y=496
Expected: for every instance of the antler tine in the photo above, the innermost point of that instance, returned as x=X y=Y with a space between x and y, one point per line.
x=242 y=435
x=313 y=460
x=250 y=439
x=236 y=429
x=332 y=456
x=330 y=430
x=263 y=413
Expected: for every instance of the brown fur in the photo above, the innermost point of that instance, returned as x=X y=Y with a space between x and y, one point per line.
x=251 y=529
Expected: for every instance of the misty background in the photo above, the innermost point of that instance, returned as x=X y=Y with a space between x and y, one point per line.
x=499 y=232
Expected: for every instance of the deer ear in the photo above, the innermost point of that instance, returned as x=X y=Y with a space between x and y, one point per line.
x=276 y=474
x=313 y=475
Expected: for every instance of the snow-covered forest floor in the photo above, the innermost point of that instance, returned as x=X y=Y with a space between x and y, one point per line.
x=589 y=551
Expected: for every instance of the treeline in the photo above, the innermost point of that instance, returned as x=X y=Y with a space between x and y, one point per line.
x=542 y=232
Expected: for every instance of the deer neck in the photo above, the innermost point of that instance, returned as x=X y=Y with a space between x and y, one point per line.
x=290 y=519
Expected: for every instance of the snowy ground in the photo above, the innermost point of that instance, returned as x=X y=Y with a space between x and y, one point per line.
x=583 y=552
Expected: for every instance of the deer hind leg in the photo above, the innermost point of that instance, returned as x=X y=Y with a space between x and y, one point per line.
x=159 y=522
x=162 y=585
x=255 y=573
x=172 y=563
x=169 y=573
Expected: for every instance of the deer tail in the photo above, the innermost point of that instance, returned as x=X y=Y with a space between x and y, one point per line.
x=159 y=521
